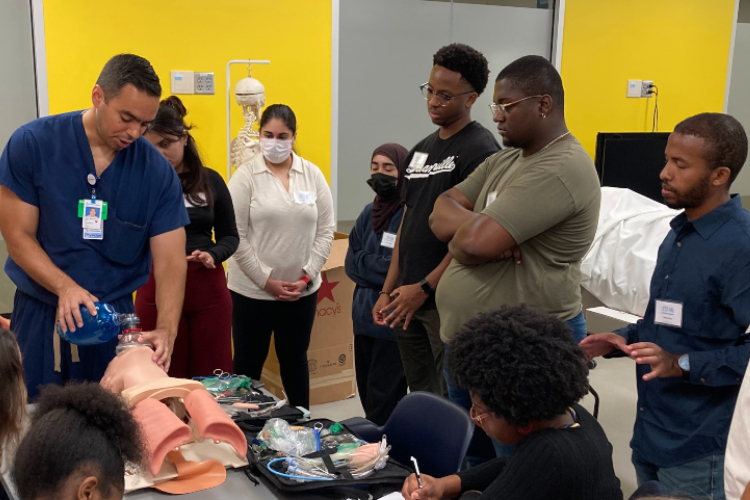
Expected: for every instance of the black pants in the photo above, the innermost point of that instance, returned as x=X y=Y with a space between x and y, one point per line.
x=381 y=382
x=422 y=352
x=253 y=322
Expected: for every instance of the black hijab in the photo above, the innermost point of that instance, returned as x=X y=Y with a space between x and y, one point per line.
x=383 y=210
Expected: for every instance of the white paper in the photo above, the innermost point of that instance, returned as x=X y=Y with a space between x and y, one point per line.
x=396 y=495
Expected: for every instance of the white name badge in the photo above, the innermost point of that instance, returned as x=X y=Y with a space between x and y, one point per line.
x=668 y=313
x=92 y=215
x=491 y=197
x=304 y=198
x=93 y=234
x=389 y=240
x=418 y=161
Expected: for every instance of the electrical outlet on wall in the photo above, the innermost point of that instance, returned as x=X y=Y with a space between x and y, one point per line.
x=204 y=83
x=646 y=90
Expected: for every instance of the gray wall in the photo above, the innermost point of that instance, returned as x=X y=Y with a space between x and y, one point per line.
x=386 y=49
x=17 y=95
x=739 y=98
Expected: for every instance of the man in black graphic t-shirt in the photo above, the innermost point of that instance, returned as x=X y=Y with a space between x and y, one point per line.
x=436 y=164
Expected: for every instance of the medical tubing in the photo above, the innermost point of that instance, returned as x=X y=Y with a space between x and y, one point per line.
x=303 y=478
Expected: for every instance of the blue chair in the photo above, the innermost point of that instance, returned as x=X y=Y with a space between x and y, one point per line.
x=428 y=427
x=649 y=489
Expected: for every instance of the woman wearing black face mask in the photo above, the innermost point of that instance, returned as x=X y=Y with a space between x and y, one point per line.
x=380 y=374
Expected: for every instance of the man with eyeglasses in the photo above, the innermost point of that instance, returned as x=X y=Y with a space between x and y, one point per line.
x=520 y=225
x=436 y=164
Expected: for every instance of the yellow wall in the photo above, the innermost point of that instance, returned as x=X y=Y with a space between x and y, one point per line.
x=683 y=45
x=202 y=35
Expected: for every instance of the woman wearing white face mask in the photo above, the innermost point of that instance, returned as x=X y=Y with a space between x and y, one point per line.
x=284 y=212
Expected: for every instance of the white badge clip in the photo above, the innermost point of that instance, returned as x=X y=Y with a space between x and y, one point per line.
x=491 y=197
x=417 y=162
x=668 y=313
x=389 y=240
x=304 y=198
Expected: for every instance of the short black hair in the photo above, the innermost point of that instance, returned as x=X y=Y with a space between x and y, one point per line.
x=469 y=62
x=283 y=113
x=725 y=137
x=523 y=365
x=534 y=75
x=124 y=69
x=79 y=427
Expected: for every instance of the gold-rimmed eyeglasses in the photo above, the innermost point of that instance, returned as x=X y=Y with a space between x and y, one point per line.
x=477 y=418
x=503 y=108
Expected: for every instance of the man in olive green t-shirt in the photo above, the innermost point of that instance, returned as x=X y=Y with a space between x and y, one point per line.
x=520 y=225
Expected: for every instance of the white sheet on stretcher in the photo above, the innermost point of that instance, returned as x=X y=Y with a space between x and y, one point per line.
x=617 y=269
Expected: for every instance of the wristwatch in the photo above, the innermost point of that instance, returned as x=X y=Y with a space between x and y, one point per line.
x=684 y=362
x=426 y=287
x=307 y=281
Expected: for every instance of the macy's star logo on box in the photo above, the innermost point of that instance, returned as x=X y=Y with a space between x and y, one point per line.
x=326 y=289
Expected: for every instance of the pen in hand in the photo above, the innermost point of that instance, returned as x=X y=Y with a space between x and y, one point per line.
x=416 y=469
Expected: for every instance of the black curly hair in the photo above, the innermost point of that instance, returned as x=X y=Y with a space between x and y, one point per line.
x=79 y=427
x=469 y=62
x=523 y=365
x=725 y=139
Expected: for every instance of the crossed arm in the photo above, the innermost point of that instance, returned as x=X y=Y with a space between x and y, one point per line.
x=474 y=238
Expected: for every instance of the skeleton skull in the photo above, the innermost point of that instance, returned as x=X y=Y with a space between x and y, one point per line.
x=250 y=94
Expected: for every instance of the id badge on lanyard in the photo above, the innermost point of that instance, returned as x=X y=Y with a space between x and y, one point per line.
x=93 y=213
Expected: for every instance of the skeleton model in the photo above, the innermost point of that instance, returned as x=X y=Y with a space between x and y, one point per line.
x=250 y=94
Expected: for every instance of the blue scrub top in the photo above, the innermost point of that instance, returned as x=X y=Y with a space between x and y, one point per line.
x=46 y=164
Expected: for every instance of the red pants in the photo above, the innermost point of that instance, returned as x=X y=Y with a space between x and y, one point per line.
x=204 y=336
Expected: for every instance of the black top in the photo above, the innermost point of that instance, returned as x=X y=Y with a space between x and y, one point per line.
x=551 y=464
x=219 y=219
x=449 y=162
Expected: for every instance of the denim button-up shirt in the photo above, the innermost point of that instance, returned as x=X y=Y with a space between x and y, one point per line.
x=704 y=265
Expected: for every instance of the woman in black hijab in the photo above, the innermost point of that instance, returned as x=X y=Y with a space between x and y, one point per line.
x=380 y=374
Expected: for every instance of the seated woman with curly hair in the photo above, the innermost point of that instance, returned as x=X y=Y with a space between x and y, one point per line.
x=80 y=438
x=525 y=375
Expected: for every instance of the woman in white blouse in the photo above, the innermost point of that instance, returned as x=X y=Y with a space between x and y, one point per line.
x=285 y=222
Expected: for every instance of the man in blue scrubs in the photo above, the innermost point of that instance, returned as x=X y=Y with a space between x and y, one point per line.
x=690 y=347
x=52 y=172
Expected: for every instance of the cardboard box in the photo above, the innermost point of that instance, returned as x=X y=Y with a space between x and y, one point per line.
x=331 y=352
x=604 y=319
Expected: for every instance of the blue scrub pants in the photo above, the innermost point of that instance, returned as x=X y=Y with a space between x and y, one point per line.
x=33 y=322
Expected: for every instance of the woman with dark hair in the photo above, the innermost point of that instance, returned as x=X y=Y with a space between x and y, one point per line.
x=203 y=341
x=525 y=375
x=285 y=222
x=12 y=395
x=80 y=438
x=381 y=382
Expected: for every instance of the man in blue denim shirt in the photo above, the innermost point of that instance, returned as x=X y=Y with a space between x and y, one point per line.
x=690 y=346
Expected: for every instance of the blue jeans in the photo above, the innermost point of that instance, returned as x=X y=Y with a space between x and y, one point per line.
x=477 y=452
x=701 y=478
x=578 y=325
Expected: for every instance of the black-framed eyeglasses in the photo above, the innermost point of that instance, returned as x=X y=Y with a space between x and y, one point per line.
x=503 y=108
x=441 y=97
